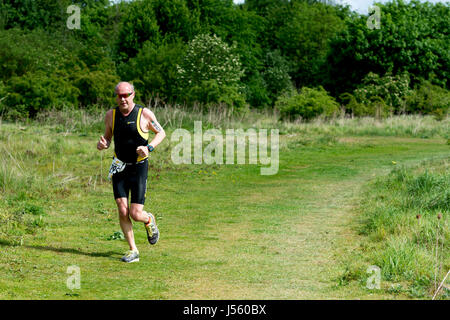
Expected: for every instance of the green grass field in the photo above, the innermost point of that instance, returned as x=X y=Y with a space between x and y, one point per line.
x=227 y=232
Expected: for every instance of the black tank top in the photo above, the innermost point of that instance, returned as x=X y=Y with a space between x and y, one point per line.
x=128 y=134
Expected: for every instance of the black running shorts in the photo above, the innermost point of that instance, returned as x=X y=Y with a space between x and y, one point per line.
x=132 y=179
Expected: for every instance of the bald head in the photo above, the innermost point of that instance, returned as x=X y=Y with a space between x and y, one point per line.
x=124 y=86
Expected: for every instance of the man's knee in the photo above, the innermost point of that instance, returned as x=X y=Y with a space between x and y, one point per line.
x=135 y=212
x=123 y=209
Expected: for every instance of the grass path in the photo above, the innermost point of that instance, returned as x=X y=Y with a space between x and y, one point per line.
x=226 y=232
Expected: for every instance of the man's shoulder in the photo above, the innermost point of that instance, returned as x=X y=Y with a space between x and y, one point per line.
x=147 y=112
x=110 y=112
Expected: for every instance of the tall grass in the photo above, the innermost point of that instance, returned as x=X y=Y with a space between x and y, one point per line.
x=178 y=116
x=405 y=125
x=400 y=219
x=36 y=168
x=19 y=187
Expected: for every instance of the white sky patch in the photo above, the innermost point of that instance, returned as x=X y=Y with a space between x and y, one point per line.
x=361 y=6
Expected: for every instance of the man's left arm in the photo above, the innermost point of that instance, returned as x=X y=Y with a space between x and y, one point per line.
x=152 y=124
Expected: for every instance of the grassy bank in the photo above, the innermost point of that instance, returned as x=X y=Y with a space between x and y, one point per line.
x=405 y=224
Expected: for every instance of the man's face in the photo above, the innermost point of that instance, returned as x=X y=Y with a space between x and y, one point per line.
x=124 y=96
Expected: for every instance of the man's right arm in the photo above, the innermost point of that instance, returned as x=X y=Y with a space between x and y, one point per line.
x=105 y=140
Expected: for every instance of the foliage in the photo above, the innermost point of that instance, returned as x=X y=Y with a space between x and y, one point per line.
x=210 y=93
x=153 y=71
x=97 y=87
x=352 y=106
x=413 y=38
x=44 y=71
x=279 y=45
x=33 y=92
x=31 y=14
x=242 y=29
x=33 y=51
x=307 y=104
x=276 y=74
x=429 y=99
x=155 y=21
x=257 y=92
x=139 y=25
x=303 y=37
x=392 y=90
x=209 y=58
x=210 y=64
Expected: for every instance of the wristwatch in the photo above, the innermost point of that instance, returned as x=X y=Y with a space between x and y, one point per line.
x=150 y=148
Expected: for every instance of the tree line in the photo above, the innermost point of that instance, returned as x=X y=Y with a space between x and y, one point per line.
x=303 y=57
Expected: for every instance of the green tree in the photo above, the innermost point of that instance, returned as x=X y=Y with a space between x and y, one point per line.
x=304 y=37
x=237 y=25
x=208 y=58
x=413 y=38
x=276 y=74
x=153 y=71
x=139 y=25
x=33 y=14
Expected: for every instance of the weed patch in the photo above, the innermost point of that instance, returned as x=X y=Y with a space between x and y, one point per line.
x=405 y=221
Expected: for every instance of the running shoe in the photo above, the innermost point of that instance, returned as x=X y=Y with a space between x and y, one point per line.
x=131 y=256
x=152 y=229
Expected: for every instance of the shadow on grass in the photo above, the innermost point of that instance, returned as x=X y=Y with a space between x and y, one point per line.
x=7 y=243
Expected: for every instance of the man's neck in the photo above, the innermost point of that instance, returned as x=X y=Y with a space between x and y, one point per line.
x=127 y=109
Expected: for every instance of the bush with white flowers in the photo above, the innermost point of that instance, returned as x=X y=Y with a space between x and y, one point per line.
x=209 y=60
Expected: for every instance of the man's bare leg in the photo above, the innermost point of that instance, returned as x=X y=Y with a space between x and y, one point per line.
x=125 y=223
x=137 y=213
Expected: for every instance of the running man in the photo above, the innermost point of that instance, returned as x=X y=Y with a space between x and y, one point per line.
x=129 y=124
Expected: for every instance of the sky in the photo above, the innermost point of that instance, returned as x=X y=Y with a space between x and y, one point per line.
x=362 y=6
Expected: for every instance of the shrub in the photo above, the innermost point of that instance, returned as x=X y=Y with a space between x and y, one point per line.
x=378 y=108
x=209 y=93
x=47 y=71
x=393 y=90
x=429 y=99
x=307 y=104
x=209 y=58
x=210 y=64
x=256 y=92
x=352 y=106
x=37 y=91
x=97 y=87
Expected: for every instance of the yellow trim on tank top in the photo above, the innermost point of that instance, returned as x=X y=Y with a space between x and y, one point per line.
x=139 y=159
x=114 y=119
x=143 y=134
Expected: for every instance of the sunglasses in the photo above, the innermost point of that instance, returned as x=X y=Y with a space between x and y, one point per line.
x=124 y=95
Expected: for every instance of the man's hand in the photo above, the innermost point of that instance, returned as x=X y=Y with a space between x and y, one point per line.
x=142 y=151
x=103 y=143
